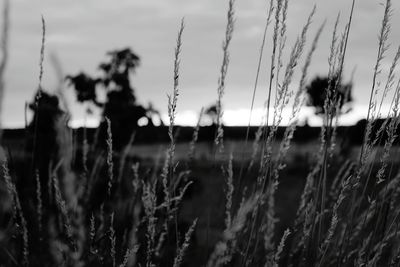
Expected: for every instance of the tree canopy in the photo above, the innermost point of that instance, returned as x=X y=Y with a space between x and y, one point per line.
x=340 y=94
x=120 y=105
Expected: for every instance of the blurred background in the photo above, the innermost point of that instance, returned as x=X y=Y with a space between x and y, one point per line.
x=79 y=33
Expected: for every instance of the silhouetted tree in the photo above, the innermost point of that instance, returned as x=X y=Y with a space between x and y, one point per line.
x=48 y=122
x=47 y=108
x=85 y=88
x=152 y=112
x=117 y=70
x=339 y=93
x=120 y=106
x=211 y=112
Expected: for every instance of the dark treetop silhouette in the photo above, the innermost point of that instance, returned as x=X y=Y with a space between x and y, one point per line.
x=48 y=119
x=339 y=93
x=120 y=106
x=211 y=112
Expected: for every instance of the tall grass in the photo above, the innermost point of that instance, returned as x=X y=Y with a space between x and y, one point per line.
x=223 y=72
x=88 y=212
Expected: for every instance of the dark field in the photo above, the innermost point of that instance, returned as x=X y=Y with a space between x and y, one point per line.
x=205 y=199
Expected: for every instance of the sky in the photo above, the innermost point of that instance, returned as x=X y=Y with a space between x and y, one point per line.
x=80 y=32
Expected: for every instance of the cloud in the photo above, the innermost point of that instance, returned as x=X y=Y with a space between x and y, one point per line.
x=64 y=39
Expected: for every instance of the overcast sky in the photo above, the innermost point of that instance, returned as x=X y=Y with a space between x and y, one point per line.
x=80 y=32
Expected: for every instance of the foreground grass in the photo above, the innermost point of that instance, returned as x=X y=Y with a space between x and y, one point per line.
x=270 y=204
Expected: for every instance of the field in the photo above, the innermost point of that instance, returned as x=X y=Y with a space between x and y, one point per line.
x=270 y=195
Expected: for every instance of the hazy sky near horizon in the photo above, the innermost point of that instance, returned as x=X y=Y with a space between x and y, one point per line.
x=80 y=32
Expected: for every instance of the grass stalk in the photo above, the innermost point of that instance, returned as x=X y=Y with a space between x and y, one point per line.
x=218 y=141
